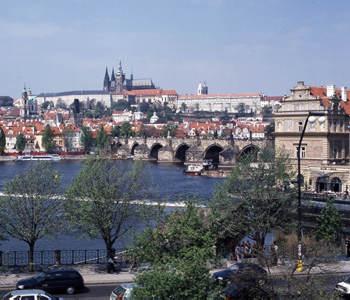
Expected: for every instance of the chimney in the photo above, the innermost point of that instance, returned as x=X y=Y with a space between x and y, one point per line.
x=330 y=90
x=344 y=93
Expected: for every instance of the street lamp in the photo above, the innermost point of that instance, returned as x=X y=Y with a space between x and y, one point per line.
x=299 y=180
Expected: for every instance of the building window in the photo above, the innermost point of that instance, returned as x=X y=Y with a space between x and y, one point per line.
x=302 y=152
x=300 y=126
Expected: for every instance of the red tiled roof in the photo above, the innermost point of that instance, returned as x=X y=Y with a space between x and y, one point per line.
x=151 y=92
x=321 y=92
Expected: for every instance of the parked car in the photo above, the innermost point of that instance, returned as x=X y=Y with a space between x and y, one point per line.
x=246 y=290
x=69 y=281
x=29 y=295
x=242 y=271
x=122 y=292
x=343 y=287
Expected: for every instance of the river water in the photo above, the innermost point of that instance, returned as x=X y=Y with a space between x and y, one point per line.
x=167 y=181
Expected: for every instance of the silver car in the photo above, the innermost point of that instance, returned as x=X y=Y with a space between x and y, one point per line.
x=122 y=292
x=29 y=295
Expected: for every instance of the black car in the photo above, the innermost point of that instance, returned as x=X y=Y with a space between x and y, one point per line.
x=69 y=281
x=241 y=271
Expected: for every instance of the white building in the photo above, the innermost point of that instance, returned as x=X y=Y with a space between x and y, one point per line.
x=122 y=116
x=68 y=97
x=153 y=96
x=232 y=103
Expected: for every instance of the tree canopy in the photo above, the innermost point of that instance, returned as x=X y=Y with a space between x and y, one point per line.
x=29 y=211
x=99 y=201
x=2 y=141
x=329 y=223
x=125 y=130
x=47 y=140
x=86 y=139
x=20 y=142
x=102 y=140
x=179 y=249
x=256 y=198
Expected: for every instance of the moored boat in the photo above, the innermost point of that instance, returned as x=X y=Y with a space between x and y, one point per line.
x=28 y=157
x=193 y=169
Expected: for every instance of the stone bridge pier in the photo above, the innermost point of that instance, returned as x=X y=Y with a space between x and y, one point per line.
x=186 y=150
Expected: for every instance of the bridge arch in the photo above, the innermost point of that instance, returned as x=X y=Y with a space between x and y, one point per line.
x=213 y=152
x=155 y=150
x=133 y=147
x=180 y=152
x=250 y=149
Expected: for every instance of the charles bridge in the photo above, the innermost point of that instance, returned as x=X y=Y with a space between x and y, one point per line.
x=222 y=151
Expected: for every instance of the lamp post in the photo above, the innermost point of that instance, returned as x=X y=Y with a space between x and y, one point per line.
x=300 y=261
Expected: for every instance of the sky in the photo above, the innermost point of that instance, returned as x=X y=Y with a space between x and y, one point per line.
x=235 y=46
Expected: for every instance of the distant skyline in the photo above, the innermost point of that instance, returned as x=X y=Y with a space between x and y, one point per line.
x=234 y=45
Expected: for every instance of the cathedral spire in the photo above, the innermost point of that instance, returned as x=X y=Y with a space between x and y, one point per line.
x=113 y=76
x=112 y=82
x=106 y=83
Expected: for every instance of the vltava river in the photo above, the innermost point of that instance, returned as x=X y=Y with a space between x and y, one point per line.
x=166 y=181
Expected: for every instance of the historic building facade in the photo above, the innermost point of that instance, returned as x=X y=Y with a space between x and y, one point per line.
x=324 y=150
x=232 y=103
x=115 y=87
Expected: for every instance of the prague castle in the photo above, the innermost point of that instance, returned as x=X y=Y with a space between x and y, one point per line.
x=115 y=87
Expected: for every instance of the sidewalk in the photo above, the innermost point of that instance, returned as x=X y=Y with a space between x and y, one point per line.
x=338 y=267
x=89 y=273
x=93 y=277
x=341 y=267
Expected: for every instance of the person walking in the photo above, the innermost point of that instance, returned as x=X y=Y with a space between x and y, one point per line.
x=238 y=253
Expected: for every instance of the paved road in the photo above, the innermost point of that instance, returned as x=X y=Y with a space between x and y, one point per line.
x=103 y=291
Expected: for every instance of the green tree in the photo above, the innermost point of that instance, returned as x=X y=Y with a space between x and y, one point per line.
x=47 y=140
x=120 y=105
x=179 y=249
x=102 y=140
x=29 y=211
x=240 y=108
x=125 y=130
x=256 y=198
x=107 y=191
x=86 y=139
x=45 y=105
x=329 y=223
x=20 y=142
x=116 y=131
x=2 y=141
x=169 y=129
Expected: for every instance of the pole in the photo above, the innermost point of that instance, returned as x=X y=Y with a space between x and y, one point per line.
x=300 y=259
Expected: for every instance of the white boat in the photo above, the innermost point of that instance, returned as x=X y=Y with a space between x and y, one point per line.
x=38 y=157
x=193 y=169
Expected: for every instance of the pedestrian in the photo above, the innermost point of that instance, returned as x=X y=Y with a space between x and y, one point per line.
x=110 y=265
x=238 y=253
x=274 y=249
x=347 y=245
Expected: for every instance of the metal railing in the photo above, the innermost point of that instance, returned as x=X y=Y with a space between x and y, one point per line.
x=58 y=257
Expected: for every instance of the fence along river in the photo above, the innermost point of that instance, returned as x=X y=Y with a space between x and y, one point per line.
x=168 y=183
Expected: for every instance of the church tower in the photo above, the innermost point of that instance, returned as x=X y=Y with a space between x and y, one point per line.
x=113 y=82
x=202 y=89
x=24 y=112
x=120 y=79
x=106 y=82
